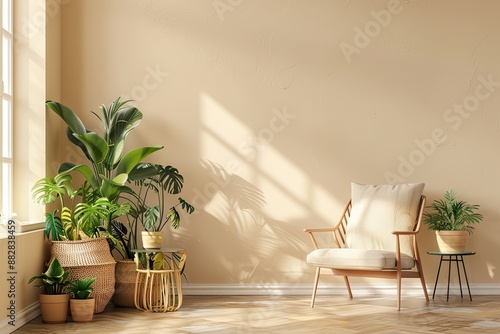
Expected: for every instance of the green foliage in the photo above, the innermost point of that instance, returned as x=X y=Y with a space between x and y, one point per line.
x=81 y=213
x=110 y=164
x=449 y=214
x=54 y=279
x=154 y=189
x=81 y=288
x=88 y=210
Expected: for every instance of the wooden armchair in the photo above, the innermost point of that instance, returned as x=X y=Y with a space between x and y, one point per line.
x=375 y=237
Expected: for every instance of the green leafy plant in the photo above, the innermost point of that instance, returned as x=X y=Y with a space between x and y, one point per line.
x=450 y=214
x=89 y=209
x=149 y=206
x=110 y=165
x=80 y=213
x=54 y=280
x=81 y=288
x=154 y=189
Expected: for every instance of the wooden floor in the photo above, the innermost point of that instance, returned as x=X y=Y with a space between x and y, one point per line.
x=292 y=314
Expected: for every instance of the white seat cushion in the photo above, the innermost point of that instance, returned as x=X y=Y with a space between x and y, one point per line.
x=359 y=259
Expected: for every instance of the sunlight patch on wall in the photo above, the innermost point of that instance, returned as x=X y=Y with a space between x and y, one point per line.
x=288 y=193
x=222 y=134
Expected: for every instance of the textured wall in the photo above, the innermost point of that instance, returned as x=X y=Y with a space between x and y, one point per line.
x=271 y=108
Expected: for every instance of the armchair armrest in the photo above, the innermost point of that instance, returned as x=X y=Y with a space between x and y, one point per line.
x=326 y=229
x=338 y=230
x=404 y=232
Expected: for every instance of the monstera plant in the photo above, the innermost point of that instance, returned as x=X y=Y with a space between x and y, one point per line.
x=152 y=205
x=96 y=201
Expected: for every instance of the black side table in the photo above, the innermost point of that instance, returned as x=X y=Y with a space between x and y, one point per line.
x=452 y=257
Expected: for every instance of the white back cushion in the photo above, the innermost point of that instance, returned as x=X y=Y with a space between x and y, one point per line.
x=378 y=210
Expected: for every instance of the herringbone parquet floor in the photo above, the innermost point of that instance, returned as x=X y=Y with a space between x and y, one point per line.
x=292 y=314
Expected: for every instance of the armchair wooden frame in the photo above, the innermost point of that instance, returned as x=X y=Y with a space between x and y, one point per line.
x=339 y=236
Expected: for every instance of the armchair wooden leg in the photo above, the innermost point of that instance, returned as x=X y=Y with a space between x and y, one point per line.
x=316 y=280
x=422 y=280
x=348 y=286
x=399 y=290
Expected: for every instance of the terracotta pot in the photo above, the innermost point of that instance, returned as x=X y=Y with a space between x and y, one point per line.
x=451 y=241
x=152 y=240
x=54 y=308
x=82 y=310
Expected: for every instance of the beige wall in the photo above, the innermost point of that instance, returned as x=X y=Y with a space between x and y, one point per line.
x=271 y=108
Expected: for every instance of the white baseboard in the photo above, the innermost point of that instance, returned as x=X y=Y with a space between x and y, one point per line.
x=328 y=289
x=22 y=317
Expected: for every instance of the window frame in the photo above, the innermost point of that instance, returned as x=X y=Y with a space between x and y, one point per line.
x=6 y=110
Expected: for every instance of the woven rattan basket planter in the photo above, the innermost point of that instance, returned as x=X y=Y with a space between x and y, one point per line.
x=89 y=258
x=125 y=283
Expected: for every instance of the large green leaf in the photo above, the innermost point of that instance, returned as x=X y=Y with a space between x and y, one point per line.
x=97 y=147
x=124 y=121
x=53 y=226
x=171 y=179
x=85 y=170
x=56 y=270
x=143 y=171
x=46 y=190
x=132 y=158
x=68 y=116
x=111 y=188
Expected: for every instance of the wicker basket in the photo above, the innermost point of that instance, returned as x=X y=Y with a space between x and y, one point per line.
x=125 y=283
x=89 y=258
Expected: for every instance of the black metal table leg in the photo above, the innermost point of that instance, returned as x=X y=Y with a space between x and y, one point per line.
x=449 y=272
x=466 y=279
x=458 y=273
x=437 y=277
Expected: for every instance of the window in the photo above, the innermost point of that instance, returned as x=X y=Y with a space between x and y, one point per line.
x=6 y=112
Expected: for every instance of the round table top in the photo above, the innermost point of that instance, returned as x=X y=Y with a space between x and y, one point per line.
x=157 y=250
x=451 y=253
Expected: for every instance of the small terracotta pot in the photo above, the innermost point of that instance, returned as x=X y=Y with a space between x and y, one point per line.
x=54 y=308
x=82 y=310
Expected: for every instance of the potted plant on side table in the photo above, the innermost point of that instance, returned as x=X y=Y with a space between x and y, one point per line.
x=149 y=206
x=452 y=220
x=150 y=211
x=54 y=302
x=82 y=304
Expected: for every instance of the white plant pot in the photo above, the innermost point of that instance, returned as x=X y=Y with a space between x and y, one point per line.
x=152 y=240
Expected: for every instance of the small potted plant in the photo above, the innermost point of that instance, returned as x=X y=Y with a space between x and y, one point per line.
x=54 y=302
x=154 y=190
x=82 y=304
x=452 y=220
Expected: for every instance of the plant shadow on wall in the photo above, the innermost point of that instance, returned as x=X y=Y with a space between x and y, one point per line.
x=248 y=241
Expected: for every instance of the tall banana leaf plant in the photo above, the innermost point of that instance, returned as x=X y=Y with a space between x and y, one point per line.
x=110 y=164
x=105 y=176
